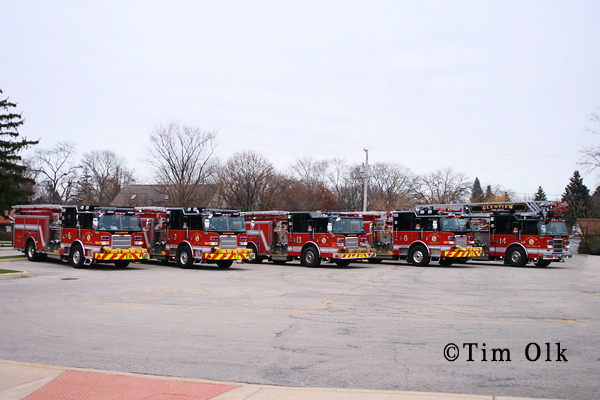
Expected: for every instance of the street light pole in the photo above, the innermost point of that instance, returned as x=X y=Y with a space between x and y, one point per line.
x=366 y=180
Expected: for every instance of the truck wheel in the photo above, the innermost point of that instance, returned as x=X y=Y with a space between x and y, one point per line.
x=542 y=263
x=446 y=262
x=256 y=259
x=310 y=257
x=224 y=264
x=30 y=251
x=516 y=257
x=77 y=258
x=342 y=263
x=184 y=257
x=121 y=263
x=418 y=256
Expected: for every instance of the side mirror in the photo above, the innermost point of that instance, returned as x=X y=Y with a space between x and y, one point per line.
x=252 y=225
x=329 y=227
x=206 y=224
x=435 y=225
x=95 y=223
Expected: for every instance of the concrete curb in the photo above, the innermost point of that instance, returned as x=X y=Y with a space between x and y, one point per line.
x=22 y=379
x=15 y=275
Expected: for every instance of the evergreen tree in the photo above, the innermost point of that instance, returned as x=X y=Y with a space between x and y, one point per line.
x=15 y=186
x=489 y=194
x=578 y=197
x=540 y=195
x=477 y=195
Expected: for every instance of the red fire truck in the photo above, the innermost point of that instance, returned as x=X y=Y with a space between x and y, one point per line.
x=192 y=235
x=429 y=232
x=79 y=234
x=522 y=232
x=282 y=236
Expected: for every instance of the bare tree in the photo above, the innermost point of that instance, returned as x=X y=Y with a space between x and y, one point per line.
x=390 y=186
x=182 y=157
x=103 y=174
x=309 y=171
x=56 y=172
x=246 y=180
x=313 y=188
x=591 y=154
x=443 y=186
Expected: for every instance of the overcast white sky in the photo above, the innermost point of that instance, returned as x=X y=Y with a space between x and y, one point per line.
x=501 y=90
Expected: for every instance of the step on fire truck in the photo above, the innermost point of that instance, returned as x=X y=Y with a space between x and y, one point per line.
x=522 y=232
x=81 y=235
x=427 y=233
x=312 y=237
x=192 y=235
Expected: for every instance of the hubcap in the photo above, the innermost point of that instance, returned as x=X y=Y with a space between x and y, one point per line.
x=183 y=257
x=30 y=252
x=76 y=257
x=515 y=257
x=418 y=256
x=310 y=257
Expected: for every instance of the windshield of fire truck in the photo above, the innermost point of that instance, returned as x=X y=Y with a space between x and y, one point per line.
x=348 y=226
x=455 y=225
x=119 y=222
x=226 y=224
x=553 y=228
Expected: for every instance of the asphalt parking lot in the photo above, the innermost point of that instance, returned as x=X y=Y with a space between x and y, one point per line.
x=531 y=331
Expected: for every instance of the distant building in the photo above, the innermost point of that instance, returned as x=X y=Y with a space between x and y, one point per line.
x=156 y=195
x=6 y=226
x=589 y=233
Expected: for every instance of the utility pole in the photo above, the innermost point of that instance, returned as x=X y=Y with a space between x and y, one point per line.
x=366 y=180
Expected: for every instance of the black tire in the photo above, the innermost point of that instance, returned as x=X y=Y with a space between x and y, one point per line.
x=516 y=257
x=77 y=258
x=256 y=259
x=310 y=257
x=342 y=263
x=184 y=257
x=224 y=264
x=375 y=260
x=121 y=263
x=418 y=256
x=542 y=263
x=30 y=251
x=446 y=262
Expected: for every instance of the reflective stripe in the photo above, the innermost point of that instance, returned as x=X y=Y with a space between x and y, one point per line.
x=462 y=253
x=354 y=255
x=223 y=256
x=118 y=256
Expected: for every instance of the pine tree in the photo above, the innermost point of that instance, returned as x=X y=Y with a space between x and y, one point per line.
x=15 y=186
x=540 y=195
x=578 y=197
x=489 y=194
x=477 y=195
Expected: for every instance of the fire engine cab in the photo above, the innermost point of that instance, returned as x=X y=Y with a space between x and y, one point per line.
x=79 y=234
x=312 y=237
x=522 y=232
x=192 y=235
x=429 y=232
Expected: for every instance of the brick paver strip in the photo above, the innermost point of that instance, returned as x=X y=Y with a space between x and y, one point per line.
x=76 y=385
